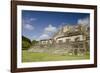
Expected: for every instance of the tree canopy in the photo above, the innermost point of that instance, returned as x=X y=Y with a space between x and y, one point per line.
x=26 y=43
x=34 y=42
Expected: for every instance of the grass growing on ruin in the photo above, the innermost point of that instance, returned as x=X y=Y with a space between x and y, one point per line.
x=37 y=57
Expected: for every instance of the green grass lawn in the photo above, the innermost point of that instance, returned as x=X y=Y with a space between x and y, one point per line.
x=37 y=57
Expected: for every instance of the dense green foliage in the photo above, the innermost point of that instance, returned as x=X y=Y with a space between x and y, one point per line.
x=26 y=43
x=34 y=42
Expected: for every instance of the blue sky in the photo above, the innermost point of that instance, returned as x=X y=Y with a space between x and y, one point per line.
x=37 y=25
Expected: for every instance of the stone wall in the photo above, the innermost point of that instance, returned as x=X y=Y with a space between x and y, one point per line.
x=61 y=48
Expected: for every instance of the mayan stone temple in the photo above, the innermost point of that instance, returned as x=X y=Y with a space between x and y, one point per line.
x=71 y=39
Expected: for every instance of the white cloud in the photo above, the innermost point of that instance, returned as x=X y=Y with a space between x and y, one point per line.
x=28 y=23
x=48 y=32
x=84 y=21
x=32 y=19
x=44 y=36
x=28 y=27
x=50 y=28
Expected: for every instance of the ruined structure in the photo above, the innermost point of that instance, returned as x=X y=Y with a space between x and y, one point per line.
x=71 y=39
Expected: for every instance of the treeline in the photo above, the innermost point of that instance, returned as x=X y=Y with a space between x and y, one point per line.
x=27 y=43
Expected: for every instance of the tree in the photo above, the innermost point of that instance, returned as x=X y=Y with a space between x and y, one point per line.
x=34 y=42
x=26 y=43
